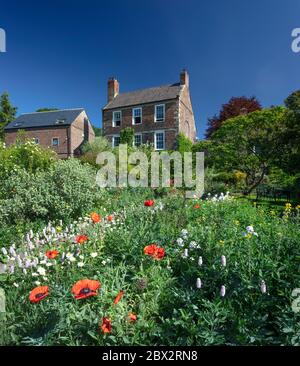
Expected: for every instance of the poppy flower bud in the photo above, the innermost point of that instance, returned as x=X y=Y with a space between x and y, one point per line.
x=223 y=260
x=198 y=283
x=223 y=291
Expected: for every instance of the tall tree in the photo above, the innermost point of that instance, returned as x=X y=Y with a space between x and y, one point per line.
x=236 y=106
x=290 y=160
x=7 y=112
x=250 y=144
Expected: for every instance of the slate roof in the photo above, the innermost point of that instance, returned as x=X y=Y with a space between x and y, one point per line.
x=145 y=96
x=63 y=117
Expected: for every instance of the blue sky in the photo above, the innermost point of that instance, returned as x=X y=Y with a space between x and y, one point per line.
x=61 y=53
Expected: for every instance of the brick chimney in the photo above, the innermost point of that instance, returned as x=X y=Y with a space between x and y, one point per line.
x=184 y=78
x=112 y=88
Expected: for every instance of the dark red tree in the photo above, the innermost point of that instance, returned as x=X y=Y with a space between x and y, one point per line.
x=235 y=107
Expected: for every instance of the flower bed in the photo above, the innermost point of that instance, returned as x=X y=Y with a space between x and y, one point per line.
x=154 y=272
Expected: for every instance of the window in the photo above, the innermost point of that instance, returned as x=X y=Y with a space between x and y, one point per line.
x=159 y=115
x=117 y=117
x=115 y=141
x=159 y=140
x=137 y=140
x=36 y=140
x=136 y=116
x=55 y=141
x=60 y=121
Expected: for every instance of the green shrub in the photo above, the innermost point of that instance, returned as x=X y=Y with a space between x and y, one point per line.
x=67 y=190
x=127 y=136
x=27 y=155
x=184 y=144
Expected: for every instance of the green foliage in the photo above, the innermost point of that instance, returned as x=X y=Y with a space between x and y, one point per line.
x=25 y=154
x=292 y=102
x=47 y=109
x=170 y=309
x=184 y=144
x=127 y=136
x=92 y=149
x=250 y=144
x=66 y=190
x=7 y=112
x=236 y=106
x=98 y=131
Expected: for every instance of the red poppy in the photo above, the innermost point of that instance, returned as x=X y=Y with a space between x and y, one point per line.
x=154 y=251
x=95 y=217
x=197 y=206
x=132 y=317
x=85 y=288
x=80 y=239
x=149 y=203
x=106 y=325
x=150 y=249
x=110 y=217
x=38 y=293
x=159 y=254
x=51 y=254
x=118 y=298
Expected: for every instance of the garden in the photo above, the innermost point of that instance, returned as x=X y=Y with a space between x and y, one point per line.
x=84 y=265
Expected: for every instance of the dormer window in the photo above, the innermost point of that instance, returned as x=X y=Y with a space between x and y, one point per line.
x=60 y=121
x=159 y=115
x=117 y=117
x=18 y=124
x=137 y=116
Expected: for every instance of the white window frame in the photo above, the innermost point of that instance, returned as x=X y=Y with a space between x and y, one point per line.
x=155 y=114
x=138 y=134
x=37 y=140
x=113 y=119
x=133 y=117
x=55 y=138
x=113 y=140
x=155 y=133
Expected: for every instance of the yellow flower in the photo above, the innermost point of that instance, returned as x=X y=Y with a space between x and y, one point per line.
x=236 y=222
x=59 y=229
x=221 y=242
x=248 y=236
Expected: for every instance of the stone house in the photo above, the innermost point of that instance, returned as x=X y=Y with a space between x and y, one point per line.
x=156 y=114
x=64 y=131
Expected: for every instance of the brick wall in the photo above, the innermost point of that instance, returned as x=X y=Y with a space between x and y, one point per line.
x=45 y=136
x=186 y=115
x=78 y=132
x=75 y=134
x=148 y=126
